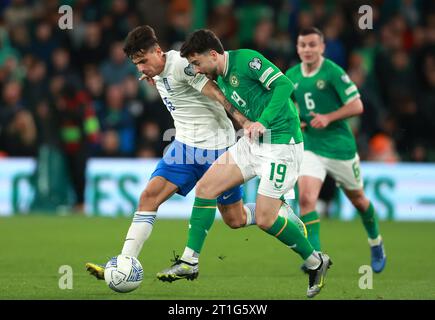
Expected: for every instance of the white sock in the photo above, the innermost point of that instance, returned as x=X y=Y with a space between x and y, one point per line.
x=190 y=256
x=375 y=242
x=313 y=261
x=139 y=232
x=250 y=214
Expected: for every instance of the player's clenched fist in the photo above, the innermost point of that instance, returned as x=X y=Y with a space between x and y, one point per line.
x=254 y=130
x=319 y=120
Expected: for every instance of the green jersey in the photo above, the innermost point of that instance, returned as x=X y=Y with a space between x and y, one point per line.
x=325 y=91
x=261 y=92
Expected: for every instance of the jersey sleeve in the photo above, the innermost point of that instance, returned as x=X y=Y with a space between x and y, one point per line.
x=289 y=75
x=184 y=72
x=262 y=69
x=345 y=88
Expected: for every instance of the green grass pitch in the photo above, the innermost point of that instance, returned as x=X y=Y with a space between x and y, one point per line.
x=235 y=264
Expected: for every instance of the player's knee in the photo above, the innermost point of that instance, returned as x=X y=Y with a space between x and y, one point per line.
x=264 y=222
x=307 y=200
x=148 y=201
x=205 y=190
x=233 y=222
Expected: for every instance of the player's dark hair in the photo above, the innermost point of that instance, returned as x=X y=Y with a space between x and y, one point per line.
x=311 y=30
x=200 y=42
x=139 y=39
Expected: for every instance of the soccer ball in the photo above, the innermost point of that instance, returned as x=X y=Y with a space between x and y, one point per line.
x=287 y=212
x=123 y=273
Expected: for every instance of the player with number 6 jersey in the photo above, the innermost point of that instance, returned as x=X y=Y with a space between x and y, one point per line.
x=323 y=92
x=326 y=97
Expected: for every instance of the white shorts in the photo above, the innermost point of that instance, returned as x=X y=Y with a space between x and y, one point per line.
x=346 y=173
x=277 y=165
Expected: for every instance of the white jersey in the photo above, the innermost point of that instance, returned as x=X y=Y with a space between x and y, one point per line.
x=199 y=121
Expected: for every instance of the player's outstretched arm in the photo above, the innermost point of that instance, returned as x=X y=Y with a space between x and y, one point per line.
x=212 y=91
x=350 y=109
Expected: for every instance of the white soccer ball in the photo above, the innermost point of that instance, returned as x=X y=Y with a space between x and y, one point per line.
x=123 y=273
x=287 y=212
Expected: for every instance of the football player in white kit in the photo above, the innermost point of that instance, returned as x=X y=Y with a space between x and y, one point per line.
x=203 y=133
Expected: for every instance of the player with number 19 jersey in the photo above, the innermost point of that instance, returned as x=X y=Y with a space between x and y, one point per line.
x=247 y=81
x=323 y=92
x=260 y=91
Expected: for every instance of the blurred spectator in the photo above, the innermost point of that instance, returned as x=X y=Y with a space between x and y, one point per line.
x=9 y=56
x=118 y=118
x=18 y=13
x=20 y=39
x=179 y=22
x=223 y=22
x=61 y=66
x=146 y=150
x=116 y=23
x=334 y=46
x=249 y=14
x=47 y=125
x=44 y=42
x=35 y=83
x=94 y=49
x=150 y=136
x=110 y=146
x=374 y=112
x=79 y=129
x=17 y=127
x=118 y=67
x=426 y=99
x=382 y=149
x=94 y=85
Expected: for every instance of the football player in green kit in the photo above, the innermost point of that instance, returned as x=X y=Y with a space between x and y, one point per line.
x=271 y=149
x=326 y=97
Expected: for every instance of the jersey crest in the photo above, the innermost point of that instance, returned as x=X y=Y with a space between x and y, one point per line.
x=189 y=70
x=234 y=81
x=320 y=84
x=255 y=64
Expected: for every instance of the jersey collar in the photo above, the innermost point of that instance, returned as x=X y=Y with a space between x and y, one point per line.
x=314 y=72
x=226 y=61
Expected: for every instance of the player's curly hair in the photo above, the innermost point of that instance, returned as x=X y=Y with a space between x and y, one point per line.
x=139 y=39
x=201 y=41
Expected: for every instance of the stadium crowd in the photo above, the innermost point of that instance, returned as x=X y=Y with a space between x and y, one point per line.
x=76 y=90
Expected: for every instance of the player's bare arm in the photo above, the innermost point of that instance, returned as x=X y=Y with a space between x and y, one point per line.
x=353 y=108
x=212 y=91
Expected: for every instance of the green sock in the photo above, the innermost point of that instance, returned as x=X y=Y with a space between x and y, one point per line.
x=312 y=223
x=288 y=233
x=201 y=220
x=370 y=222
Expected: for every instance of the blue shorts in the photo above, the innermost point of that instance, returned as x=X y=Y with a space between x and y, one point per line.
x=184 y=165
